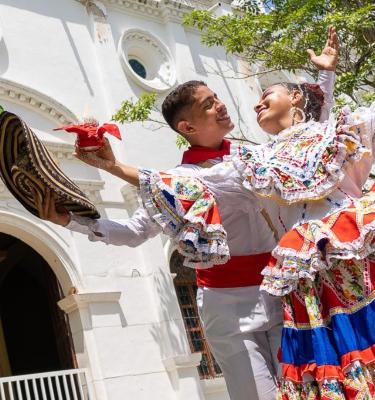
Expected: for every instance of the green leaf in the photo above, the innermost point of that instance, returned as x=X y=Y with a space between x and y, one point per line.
x=181 y=142
x=140 y=110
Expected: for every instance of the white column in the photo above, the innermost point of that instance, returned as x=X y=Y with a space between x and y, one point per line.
x=77 y=306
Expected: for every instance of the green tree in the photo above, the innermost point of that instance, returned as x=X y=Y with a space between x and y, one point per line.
x=144 y=110
x=277 y=36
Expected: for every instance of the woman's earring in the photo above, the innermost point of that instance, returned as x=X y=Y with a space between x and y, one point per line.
x=295 y=112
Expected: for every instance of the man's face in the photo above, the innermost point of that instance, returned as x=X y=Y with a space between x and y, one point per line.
x=208 y=118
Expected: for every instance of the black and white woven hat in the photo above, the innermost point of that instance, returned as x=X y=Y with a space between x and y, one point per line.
x=26 y=164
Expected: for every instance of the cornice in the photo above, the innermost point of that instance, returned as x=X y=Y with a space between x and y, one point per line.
x=213 y=386
x=91 y=188
x=158 y=10
x=82 y=300
x=38 y=102
x=182 y=361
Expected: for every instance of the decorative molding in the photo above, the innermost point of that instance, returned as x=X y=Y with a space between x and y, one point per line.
x=64 y=151
x=153 y=54
x=79 y=301
x=36 y=101
x=165 y=10
x=60 y=151
x=96 y=7
x=91 y=188
x=181 y=361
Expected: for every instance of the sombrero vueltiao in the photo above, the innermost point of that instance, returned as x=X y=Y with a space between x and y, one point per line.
x=25 y=163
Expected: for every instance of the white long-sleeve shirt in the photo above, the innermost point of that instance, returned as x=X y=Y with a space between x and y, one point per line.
x=248 y=232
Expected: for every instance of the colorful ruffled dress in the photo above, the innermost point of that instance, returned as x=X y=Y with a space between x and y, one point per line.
x=307 y=182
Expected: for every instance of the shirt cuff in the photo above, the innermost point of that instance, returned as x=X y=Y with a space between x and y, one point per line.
x=85 y=225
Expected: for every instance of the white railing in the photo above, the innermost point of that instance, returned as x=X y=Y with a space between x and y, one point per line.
x=57 y=385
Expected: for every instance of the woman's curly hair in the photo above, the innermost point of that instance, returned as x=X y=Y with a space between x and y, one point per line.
x=313 y=96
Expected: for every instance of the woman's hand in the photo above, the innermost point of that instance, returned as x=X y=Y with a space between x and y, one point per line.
x=328 y=59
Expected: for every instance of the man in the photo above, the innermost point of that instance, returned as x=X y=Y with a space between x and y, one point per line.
x=242 y=325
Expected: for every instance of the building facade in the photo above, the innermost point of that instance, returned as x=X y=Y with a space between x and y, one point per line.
x=85 y=320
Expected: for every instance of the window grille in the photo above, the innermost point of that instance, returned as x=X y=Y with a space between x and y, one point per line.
x=186 y=290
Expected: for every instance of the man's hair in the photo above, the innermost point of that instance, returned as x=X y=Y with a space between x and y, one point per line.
x=313 y=97
x=178 y=100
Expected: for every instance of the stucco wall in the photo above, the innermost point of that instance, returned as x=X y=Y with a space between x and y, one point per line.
x=135 y=347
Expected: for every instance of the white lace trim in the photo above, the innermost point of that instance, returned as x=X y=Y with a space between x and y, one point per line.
x=347 y=145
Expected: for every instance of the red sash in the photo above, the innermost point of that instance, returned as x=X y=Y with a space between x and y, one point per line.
x=239 y=271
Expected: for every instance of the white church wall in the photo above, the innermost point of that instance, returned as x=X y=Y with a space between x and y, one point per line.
x=135 y=347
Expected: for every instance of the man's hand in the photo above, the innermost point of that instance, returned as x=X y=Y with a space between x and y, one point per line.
x=102 y=158
x=47 y=209
x=328 y=59
x=105 y=159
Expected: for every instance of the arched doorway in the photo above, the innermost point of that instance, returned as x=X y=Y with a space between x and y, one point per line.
x=34 y=332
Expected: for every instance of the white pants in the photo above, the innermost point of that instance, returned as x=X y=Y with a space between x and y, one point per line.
x=243 y=328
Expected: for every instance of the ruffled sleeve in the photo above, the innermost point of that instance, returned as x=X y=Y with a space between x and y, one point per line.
x=186 y=210
x=307 y=161
x=361 y=122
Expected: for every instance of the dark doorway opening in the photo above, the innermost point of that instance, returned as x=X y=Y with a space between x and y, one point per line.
x=35 y=332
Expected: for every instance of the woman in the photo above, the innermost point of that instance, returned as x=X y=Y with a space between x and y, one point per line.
x=323 y=267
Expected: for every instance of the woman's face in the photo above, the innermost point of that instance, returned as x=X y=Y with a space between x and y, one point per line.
x=273 y=109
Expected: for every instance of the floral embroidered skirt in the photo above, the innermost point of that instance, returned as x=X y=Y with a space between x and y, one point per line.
x=325 y=272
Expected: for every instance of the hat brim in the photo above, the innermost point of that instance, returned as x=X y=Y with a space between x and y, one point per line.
x=27 y=167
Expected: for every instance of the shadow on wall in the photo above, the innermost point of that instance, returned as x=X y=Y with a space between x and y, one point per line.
x=102 y=314
x=4 y=56
x=75 y=13
x=169 y=333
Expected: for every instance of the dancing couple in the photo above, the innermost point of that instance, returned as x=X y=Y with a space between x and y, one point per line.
x=226 y=208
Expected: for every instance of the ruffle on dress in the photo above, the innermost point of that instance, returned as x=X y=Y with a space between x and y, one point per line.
x=307 y=161
x=186 y=210
x=328 y=339
x=325 y=271
x=315 y=246
x=357 y=383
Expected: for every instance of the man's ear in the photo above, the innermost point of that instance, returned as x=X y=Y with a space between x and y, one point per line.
x=185 y=128
x=297 y=98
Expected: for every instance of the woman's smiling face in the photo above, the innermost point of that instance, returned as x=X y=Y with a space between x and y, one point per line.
x=274 y=108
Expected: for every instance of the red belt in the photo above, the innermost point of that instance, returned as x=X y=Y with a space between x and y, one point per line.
x=239 y=271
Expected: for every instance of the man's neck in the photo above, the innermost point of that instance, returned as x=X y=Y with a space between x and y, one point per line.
x=197 y=154
x=212 y=145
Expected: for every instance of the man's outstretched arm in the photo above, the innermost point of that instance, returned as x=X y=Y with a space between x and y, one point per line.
x=130 y=232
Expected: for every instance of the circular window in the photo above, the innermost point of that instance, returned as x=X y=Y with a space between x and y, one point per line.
x=147 y=60
x=138 y=68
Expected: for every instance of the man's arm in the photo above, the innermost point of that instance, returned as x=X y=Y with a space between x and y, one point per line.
x=131 y=232
x=105 y=159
